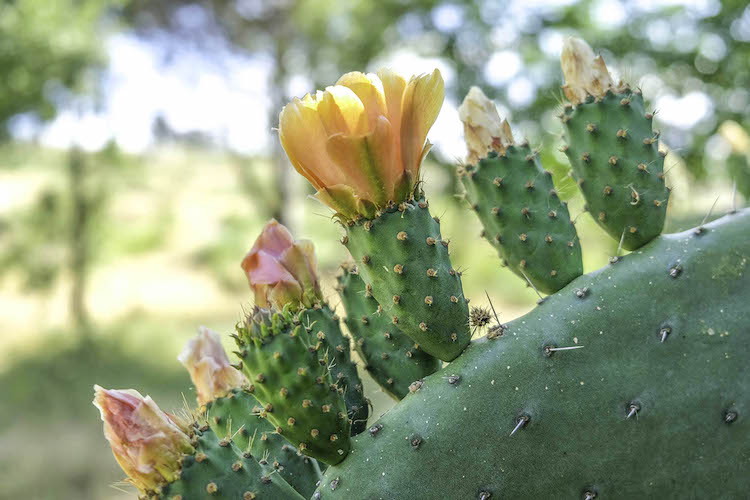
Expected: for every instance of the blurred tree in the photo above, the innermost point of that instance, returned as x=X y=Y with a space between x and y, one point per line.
x=697 y=51
x=47 y=51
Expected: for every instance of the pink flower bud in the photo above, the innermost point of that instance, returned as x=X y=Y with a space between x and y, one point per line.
x=147 y=443
x=212 y=374
x=281 y=270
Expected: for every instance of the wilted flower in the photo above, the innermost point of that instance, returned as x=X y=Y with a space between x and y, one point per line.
x=147 y=443
x=361 y=142
x=585 y=74
x=281 y=270
x=212 y=374
x=483 y=128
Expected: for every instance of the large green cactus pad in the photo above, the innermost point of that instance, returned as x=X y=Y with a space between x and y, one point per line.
x=523 y=218
x=666 y=336
x=238 y=413
x=615 y=159
x=404 y=261
x=324 y=327
x=392 y=358
x=219 y=470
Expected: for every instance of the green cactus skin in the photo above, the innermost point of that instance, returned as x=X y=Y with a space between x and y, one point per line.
x=666 y=331
x=324 y=327
x=391 y=357
x=403 y=259
x=220 y=470
x=617 y=164
x=523 y=218
x=293 y=386
x=238 y=414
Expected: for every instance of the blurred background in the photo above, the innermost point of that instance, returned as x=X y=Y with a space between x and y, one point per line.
x=139 y=160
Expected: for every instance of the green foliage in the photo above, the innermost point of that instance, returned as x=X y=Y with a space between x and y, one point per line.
x=523 y=217
x=46 y=48
x=404 y=262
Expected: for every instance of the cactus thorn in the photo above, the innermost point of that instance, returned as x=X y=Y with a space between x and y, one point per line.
x=522 y=420
x=550 y=349
x=730 y=416
x=633 y=409
x=664 y=332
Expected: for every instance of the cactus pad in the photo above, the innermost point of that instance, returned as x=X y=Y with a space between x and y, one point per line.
x=237 y=416
x=523 y=218
x=293 y=386
x=392 y=358
x=654 y=405
x=220 y=470
x=617 y=164
x=324 y=328
x=404 y=261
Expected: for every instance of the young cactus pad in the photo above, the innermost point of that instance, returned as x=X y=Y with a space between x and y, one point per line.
x=523 y=218
x=404 y=260
x=220 y=470
x=293 y=386
x=237 y=416
x=613 y=149
x=391 y=357
x=652 y=403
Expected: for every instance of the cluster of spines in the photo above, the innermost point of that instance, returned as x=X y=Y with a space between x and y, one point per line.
x=405 y=263
x=523 y=217
x=391 y=357
x=617 y=164
x=291 y=380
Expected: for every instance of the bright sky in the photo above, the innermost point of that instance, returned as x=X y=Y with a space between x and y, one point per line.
x=228 y=102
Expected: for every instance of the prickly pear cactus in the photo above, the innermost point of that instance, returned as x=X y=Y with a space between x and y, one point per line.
x=523 y=218
x=323 y=326
x=404 y=262
x=617 y=164
x=628 y=382
x=221 y=470
x=237 y=416
x=293 y=385
x=392 y=358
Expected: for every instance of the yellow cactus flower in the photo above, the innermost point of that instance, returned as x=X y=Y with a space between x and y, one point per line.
x=585 y=74
x=361 y=142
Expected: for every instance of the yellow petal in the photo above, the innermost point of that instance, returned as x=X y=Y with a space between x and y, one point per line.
x=370 y=160
x=423 y=98
x=342 y=112
x=303 y=137
x=369 y=90
x=483 y=128
x=393 y=90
